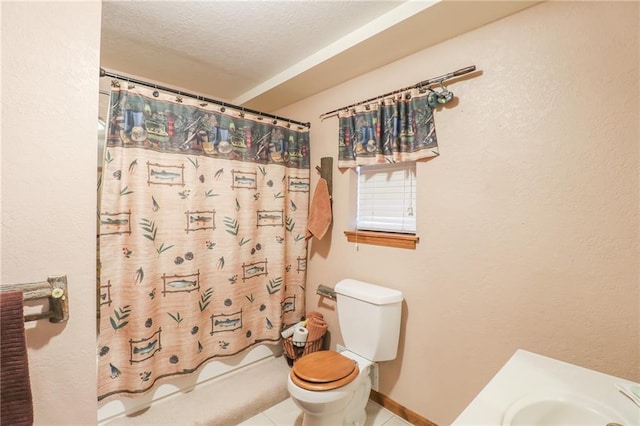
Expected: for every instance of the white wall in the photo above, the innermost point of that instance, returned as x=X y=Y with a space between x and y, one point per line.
x=528 y=220
x=50 y=64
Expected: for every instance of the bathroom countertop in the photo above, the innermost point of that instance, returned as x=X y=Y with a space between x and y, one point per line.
x=528 y=374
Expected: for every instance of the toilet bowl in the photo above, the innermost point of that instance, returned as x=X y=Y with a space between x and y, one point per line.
x=331 y=388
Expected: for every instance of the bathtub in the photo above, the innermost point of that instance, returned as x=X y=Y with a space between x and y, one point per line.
x=173 y=388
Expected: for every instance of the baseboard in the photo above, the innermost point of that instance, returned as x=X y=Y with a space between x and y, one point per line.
x=399 y=410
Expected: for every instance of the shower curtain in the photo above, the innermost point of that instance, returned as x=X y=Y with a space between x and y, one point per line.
x=202 y=219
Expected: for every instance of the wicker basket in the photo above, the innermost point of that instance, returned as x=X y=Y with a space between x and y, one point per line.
x=294 y=352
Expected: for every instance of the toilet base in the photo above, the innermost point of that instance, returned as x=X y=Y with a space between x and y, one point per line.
x=356 y=419
x=354 y=414
x=324 y=420
x=337 y=419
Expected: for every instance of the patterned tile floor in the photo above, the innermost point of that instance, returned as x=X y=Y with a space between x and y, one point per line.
x=287 y=413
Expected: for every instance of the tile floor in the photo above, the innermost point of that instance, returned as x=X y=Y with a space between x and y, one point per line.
x=287 y=413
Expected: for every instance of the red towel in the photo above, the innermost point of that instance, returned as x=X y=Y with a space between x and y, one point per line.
x=319 y=211
x=15 y=388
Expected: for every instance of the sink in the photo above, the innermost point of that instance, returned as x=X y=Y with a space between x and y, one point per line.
x=559 y=410
x=533 y=390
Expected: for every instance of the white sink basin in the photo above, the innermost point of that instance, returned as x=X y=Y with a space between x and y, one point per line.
x=560 y=410
x=531 y=389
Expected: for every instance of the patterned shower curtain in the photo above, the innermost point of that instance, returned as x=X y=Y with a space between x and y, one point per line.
x=395 y=128
x=202 y=220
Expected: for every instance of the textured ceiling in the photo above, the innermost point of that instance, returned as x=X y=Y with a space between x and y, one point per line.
x=268 y=54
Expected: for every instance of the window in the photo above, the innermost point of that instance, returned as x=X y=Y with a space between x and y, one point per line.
x=387 y=198
x=386 y=205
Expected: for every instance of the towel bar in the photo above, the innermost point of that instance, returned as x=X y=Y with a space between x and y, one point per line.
x=55 y=288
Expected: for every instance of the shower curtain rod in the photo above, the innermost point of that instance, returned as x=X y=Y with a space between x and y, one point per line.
x=425 y=83
x=104 y=73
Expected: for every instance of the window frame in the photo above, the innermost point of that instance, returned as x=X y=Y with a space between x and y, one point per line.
x=378 y=237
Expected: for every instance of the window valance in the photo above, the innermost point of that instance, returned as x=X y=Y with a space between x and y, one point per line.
x=393 y=129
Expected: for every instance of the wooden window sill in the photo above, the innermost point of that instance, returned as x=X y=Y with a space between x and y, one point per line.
x=388 y=239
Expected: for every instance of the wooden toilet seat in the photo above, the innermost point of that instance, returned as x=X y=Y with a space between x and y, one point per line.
x=323 y=370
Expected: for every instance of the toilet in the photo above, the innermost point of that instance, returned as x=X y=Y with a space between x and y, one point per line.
x=333 y=388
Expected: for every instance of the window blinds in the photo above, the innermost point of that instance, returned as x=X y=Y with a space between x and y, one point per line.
x=387 y=197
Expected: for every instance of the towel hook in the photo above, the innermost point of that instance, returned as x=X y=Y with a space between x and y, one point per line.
x=326 y=172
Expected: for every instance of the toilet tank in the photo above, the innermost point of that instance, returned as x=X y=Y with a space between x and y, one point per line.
x=369 y=318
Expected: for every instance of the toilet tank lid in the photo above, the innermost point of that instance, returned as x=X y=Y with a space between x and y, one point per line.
x=368 y=292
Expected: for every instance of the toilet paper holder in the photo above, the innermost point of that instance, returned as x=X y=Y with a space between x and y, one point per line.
x=325 y=291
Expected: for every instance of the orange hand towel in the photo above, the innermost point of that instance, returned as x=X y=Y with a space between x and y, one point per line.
x=319 y=211
x=317 y=328
x=314 y=314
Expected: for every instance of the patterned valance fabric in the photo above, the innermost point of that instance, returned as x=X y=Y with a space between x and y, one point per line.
x=397 y=128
